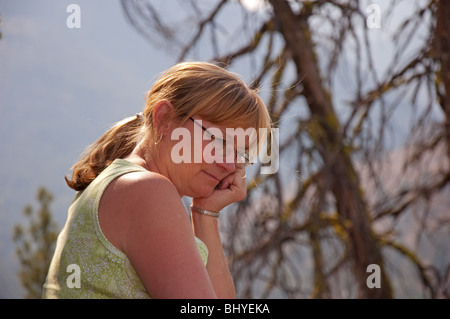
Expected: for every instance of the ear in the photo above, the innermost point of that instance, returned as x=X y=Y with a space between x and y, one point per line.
x=161 y=114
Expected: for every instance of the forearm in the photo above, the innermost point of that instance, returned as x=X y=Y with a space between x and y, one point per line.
x=206 y=228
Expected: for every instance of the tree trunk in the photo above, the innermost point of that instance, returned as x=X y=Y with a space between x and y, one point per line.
x=341 y=177
x=442 y=55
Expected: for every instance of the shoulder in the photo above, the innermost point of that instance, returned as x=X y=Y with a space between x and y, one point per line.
x=148 y=197
x=145 y=205
x=140 y=178
x=156 y=235
x=149 y=202
x=144 y=186
x=135 y=203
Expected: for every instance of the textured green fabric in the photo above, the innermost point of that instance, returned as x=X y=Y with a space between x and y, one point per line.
x=104 y=270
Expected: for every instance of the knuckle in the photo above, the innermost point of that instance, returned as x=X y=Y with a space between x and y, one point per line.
x=242 y=194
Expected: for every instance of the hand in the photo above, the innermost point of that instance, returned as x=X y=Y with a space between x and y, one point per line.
x=231 y=189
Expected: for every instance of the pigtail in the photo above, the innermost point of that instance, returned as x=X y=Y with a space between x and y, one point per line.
x=117 y=142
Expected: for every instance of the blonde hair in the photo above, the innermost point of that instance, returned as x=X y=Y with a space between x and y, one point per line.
x=193 y=88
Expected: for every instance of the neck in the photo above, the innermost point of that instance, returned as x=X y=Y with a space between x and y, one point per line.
x=143 y=155
x=147 y=157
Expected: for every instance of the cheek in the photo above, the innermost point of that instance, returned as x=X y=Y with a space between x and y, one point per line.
x=185 y=172
x=188 y=176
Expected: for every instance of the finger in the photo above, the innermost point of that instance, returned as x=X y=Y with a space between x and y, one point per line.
x=230 y=180
x=226 y=182
x=231 y=189
x=236 y=184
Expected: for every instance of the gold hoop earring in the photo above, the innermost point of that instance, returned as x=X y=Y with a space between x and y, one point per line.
x=159 y=139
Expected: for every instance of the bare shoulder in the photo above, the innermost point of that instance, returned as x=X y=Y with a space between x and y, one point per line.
x=148 y=200
x=150 y=196
x=145 y=185
x=142 y=214
x=157 y=237
x=135 y=203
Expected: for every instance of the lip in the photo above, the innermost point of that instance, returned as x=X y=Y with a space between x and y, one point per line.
x=212 y=176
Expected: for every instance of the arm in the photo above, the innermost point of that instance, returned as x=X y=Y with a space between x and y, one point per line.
x=206 y=228
x=160 y=244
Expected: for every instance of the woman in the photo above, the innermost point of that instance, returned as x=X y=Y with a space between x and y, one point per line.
x=127 y=234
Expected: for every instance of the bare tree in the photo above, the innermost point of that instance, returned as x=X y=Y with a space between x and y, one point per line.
x=346 y=196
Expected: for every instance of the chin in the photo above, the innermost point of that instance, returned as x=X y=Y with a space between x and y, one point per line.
x=203 y=191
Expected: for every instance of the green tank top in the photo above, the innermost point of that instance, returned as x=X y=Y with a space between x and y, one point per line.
x=85 y=264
